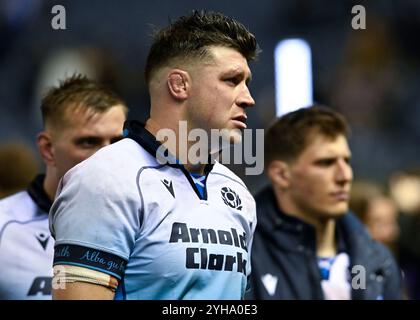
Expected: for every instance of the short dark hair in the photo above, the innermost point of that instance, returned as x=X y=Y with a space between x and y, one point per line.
x=289 y=135
x=190 y=36
x=77 y=91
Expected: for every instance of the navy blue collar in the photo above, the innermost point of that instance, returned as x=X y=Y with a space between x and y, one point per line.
x=135 y=130
x=271 y=217
x=37 y=193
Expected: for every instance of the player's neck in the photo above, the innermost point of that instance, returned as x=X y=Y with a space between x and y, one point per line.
x=324 y=228
x=173 y=146
x=325 y=238
x=50 y=184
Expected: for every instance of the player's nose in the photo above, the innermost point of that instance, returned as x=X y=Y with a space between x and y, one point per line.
x=245 y=98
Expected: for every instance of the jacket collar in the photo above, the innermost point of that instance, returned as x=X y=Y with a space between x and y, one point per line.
x=37 y=193
x=301 y=235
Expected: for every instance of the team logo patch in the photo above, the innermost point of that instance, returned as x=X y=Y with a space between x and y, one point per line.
x=270 y=283
x=231 y=199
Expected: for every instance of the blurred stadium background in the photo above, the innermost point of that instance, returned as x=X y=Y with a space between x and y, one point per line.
x=370 y=75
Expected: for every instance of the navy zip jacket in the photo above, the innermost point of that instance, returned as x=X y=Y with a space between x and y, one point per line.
x=284 y=249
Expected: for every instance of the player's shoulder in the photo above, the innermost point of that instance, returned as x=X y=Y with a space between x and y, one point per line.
x=111 y=166
x=118 y=158
x=18 y=206
x=225 y=173
x=124 y=152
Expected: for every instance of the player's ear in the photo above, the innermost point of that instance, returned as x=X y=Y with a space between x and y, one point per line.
x=178 y=84
x=279 y=174
x=45 y=147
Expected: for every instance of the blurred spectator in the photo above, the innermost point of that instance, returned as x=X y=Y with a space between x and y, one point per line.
x=405 y=189
x=381 y=220
x=377 y=211
x=18 y=166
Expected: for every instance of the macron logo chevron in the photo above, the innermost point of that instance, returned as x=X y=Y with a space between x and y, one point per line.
x=43 y=239
x=169 y=186
x=270 y=283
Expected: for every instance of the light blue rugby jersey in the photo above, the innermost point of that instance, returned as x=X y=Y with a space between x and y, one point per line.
x=123 y=213
x=26 y=246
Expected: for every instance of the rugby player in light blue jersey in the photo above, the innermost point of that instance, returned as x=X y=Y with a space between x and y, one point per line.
x=129 y=226
x=80 y=116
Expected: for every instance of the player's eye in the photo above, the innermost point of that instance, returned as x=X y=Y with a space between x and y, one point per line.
x=88 y=142
x=233 y=81
x=325 y=162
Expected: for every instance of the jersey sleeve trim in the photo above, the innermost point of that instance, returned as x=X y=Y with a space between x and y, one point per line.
x=81 y=256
